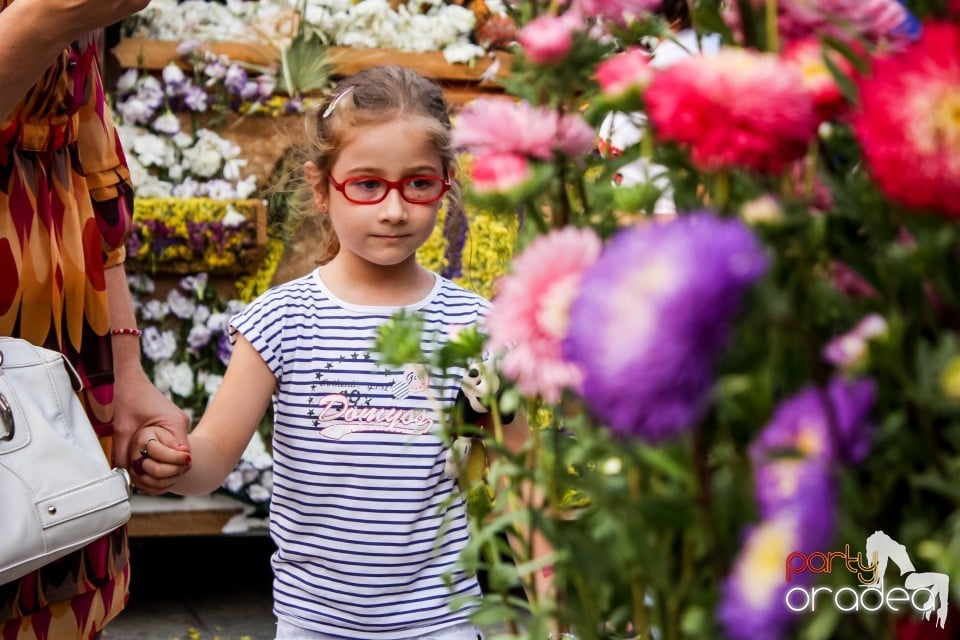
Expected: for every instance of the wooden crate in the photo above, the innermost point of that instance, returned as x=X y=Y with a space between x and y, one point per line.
x=461 y=82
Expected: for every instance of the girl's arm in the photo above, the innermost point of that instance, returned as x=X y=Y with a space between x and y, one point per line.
x=218 y=441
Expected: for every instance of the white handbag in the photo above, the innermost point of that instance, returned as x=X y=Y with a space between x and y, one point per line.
x=57 y=490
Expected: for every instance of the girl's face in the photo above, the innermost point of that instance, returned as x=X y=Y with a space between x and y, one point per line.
x=387 y=233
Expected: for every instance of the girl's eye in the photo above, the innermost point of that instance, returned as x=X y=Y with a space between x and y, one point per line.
x=420 y=183
x=371 y=184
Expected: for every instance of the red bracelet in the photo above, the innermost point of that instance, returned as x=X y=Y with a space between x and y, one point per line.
x=123 y=331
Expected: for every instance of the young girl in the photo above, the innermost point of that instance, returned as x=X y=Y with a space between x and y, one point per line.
x=367 y=536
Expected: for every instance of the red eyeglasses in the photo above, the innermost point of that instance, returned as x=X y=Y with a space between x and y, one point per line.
x=371 y=190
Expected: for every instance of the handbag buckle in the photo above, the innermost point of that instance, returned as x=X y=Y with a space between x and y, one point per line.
x=6 y=417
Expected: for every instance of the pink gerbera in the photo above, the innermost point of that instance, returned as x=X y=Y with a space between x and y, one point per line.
x=531 y=311
x=497 y=125
x=909 y=122
x=738 y=108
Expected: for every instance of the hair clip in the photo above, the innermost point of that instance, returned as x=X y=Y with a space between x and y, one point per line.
x=333 y=103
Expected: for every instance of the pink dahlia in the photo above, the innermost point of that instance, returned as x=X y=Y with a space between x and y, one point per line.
x=499 y=172
x=498 y=125
x=531 y=311
x=738 y=108
x=808 y=56
x=625 y=72
x=621 y=12
x=547 y=39
x=908 y=122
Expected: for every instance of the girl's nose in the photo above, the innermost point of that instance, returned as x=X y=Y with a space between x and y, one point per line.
x=393 y=208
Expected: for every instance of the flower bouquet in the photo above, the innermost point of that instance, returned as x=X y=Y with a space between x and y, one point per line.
x=745 y=413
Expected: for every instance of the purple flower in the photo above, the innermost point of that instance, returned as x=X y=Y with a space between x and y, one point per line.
x=235 y=79
x=826 y=424
x=653 y=314
x=752 y=603
x=455 y=231
x=195 y=99
x=224 y=348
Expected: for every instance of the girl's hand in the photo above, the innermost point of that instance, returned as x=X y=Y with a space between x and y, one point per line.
x=158 y=460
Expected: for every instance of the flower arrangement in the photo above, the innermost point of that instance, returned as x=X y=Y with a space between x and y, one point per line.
x=434 y=25
x=750 y=397
x=197 y=235
x=167 y=125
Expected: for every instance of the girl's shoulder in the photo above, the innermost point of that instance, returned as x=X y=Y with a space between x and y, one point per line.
x=450 y=293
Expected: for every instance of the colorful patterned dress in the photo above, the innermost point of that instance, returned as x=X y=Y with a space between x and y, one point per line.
x=65 y=210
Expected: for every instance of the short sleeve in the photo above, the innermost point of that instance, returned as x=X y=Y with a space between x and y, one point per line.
x=262 y=323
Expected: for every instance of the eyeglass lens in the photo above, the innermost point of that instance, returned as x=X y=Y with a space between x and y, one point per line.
x=413 y=189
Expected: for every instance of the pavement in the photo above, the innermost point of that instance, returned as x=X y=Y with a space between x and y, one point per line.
x=198 y=588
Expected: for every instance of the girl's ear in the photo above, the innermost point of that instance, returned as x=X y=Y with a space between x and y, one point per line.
x=315 y=178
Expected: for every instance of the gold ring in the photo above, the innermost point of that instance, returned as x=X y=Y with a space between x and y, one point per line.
x=143 y=449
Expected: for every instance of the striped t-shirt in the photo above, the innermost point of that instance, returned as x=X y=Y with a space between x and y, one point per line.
x=367 y=527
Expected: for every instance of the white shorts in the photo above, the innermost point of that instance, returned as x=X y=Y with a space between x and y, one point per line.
x=287 y=631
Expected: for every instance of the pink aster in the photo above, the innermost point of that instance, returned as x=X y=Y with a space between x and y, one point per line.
x=621 y=12
x=532 y=307
x=499 y=125
x=908 y=125
x=735 y=109
x=498 y=172
x=624 y=72
x=547 y=39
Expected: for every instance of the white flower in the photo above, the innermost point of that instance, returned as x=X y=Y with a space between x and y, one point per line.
x=126 y=82
x=218 y=322
x=155 y=310
x=201 y=314
x=135 y=111
x=177 y=378
x=158 y=346
x=141 y=283
x=189 y=188
x=196 y=283
x=258 y=493
x=234 y=481
x=247 y=187
x=183 y=140
x=199 y=336
x=152 y=150
x=462 y=51
x=233 y=218
x=180 y=305
x=168 y=124
x=211 y=382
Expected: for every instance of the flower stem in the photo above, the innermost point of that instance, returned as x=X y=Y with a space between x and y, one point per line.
x=773 y=37
x=638 y=586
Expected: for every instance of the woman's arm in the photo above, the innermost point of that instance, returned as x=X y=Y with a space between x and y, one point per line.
x=136 y=401
x=34 y=32
x=217 y=443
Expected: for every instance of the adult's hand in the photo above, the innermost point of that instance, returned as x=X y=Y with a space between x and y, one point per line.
x=139 y=404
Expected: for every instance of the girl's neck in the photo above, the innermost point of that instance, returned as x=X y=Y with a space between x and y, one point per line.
x=372 y=285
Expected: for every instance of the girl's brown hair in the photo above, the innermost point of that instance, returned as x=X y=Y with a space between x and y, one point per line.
x=374 y=95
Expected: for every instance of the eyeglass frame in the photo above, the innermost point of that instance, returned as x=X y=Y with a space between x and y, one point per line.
x=391 y=184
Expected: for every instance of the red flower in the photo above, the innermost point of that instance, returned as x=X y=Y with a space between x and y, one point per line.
x=737 y=108
x=909 y=122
